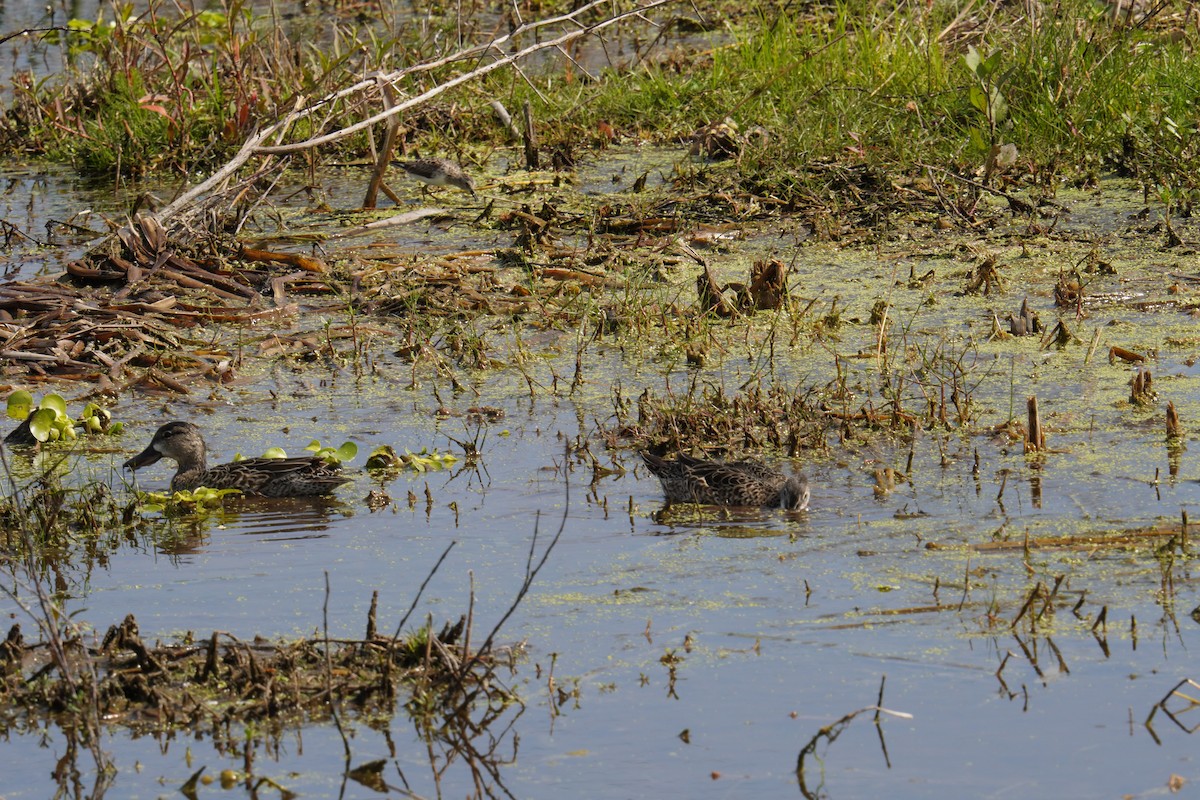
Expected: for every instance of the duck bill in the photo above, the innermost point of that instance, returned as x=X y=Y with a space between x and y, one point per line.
x=144 y=458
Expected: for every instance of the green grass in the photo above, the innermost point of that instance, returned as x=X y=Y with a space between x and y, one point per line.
x=857 y=83
x=1083 y=94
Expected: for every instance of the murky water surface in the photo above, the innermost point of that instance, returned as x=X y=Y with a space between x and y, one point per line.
x=778 y=625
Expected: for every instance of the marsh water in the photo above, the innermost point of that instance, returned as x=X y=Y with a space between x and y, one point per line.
x=696 y=652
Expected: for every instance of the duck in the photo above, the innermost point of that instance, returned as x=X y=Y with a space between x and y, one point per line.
x=264 y=477
x=738 y=483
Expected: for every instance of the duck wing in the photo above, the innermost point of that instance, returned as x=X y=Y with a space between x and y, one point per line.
x=275 y=477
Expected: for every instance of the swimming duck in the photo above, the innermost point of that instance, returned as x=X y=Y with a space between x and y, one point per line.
x=266 y=477
x=737 y=483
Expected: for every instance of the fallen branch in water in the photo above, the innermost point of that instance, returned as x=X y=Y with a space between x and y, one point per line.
x=269 y=142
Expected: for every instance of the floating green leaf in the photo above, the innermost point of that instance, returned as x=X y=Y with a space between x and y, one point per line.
x=346 y=452
x=95 y=419
x=384 y=457
x=20 y=403
x=199 y=501
x=41 y=425
x=55 y=402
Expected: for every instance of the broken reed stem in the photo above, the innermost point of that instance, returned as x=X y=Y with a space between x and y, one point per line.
x=1092 y=347
x=466 y=648
x=881 y=338
x=832 y=731
x=1035 y=437
x=1142 y=388
x=966 y=584
x=371 y=629
x=384 y=157
x=1029 y=598
x=1174 y=430
x=420 y=591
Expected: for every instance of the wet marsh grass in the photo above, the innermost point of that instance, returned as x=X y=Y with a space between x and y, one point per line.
x=857 y=368
x=886 y=87
x=856 y=84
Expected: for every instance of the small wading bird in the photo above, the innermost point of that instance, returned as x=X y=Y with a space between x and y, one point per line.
x=438 y=172
x=266 y=477
x=738 y=483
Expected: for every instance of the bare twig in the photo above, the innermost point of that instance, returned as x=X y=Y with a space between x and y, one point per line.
x=259 y=144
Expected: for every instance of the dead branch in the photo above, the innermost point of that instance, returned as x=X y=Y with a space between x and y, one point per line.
x=206 y=194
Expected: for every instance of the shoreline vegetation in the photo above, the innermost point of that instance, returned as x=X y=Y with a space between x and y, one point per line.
x=850 y=120
x=1078 y=88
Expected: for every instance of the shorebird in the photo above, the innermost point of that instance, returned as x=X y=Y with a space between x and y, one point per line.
x=266 y=477
x=438 y=172
x=736 y=483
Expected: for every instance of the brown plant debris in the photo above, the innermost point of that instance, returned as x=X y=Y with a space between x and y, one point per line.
x=752 y=420
x=709 y=294
x=767 y=290
x=768 y=284
x=1141 y=537
x=1068 y=291
x=1025 y=322
x=1060 y=336
x=718 y=140
x=1121 y=353
x=1141 y=391
x=1174 y=429
x=221 y=678
x=1035 y=437
x=1175 y=704
x=984 y=277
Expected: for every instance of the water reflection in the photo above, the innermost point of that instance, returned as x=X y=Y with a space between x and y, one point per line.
x=730 y=522
x=271 y=519
x=465 y=747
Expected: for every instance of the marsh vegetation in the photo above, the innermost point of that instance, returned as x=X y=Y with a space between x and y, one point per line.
x=939 y=256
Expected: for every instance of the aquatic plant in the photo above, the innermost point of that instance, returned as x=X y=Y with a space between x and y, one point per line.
x=199 y=502
x=334 y=455
x=46 y=420
x=385 y=457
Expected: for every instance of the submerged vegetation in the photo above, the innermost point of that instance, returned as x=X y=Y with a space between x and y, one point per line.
x=853 y=239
